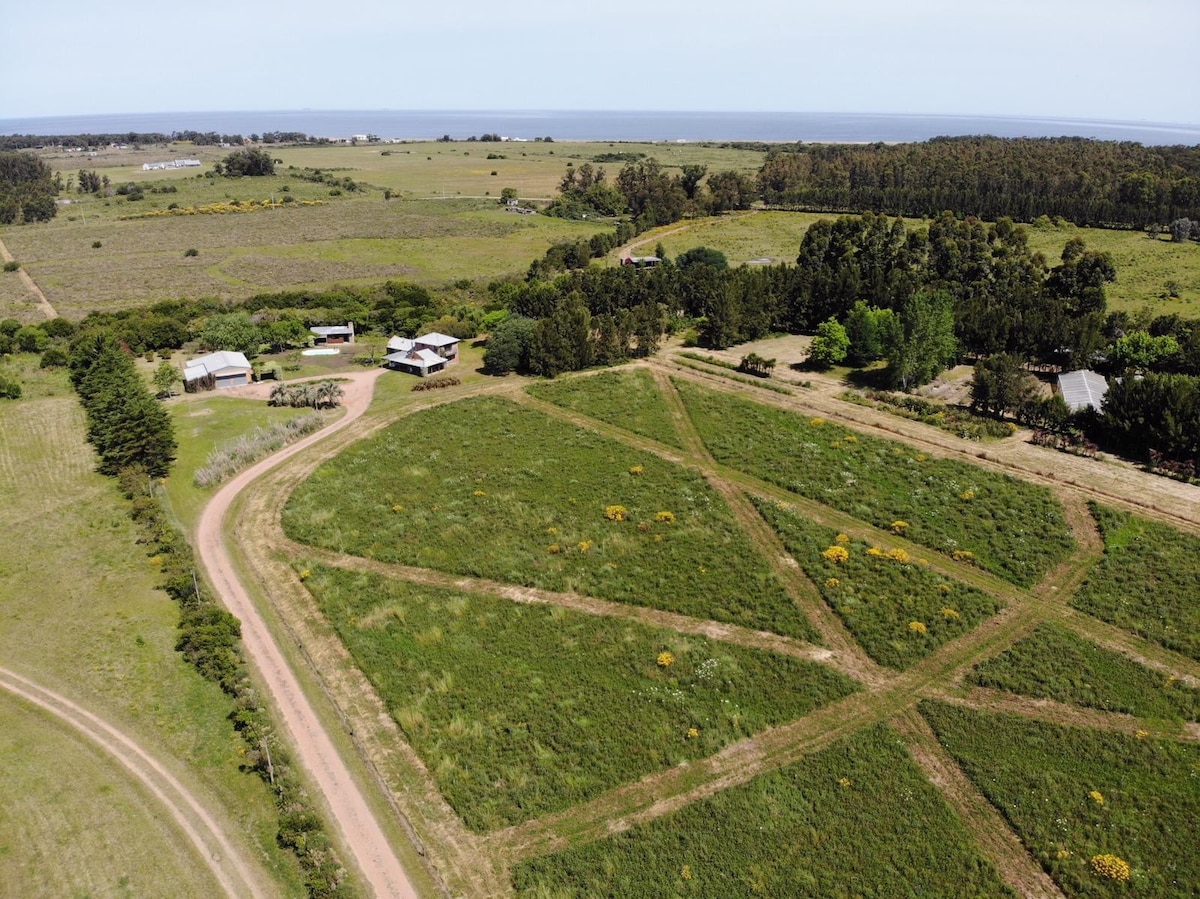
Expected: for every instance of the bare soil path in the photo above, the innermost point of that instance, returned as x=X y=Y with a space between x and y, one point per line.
x=30 y=285
x=360 y=832
x=236 y=874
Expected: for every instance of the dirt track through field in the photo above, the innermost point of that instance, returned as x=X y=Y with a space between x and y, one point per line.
x=237 y=876
x=30 y=285
x=359 y=831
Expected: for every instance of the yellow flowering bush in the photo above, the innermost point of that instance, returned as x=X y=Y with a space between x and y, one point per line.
x=962 y=555
x=615 y=513
x=665 y=659
x=899 y=527
x=944 y=588
x=875 y=551
x=845 y=781
x=305 y=574
x=1097 y=797
x=836 y=554
x=918 y=627
x=636 y=469
x=950 y=614
x=967 y=495
x=554 y=549
x=664 y=517
x=693 y=733
x=850 y=438
x=584 y=545
x=833 y=582
x=480 y=493
x=1142 y=734
x=842 y=539
x=397 y=508
x=1111 y=866
x=817 y=422
x=899 y=555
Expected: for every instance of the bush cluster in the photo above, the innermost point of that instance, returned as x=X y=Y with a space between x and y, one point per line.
x=436 y=383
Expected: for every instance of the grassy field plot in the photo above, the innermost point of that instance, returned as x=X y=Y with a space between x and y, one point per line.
x=80 y=613
x=1073 y=795
x=1053 y=663
x=1148 y=581
x=520 y=710
x=898 y=609
x=73 y=822
x=487 y=488
x=16 y=301
x=627 y=399
x=856 y=819
x=1010 y=528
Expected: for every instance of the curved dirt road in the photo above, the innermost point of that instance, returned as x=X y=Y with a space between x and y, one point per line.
x=237 y=877
x=359 y=831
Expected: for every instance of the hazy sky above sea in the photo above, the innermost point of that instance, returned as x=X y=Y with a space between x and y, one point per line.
x=1090 y=59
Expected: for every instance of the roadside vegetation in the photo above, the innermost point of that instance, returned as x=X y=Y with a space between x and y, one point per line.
x=509 y=494
x=1146 y=581
x=1084 y=800
x=1053 y=663
x=568 y=704
x=797 y=831
x=1008 y=527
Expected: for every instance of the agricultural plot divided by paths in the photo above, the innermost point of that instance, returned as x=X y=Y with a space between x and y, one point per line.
x=479 y=864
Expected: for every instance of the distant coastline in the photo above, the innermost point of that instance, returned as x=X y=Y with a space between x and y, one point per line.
x=616 y=126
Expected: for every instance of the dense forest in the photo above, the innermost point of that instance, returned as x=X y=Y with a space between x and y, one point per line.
x=132 y=138
x=1088 y=182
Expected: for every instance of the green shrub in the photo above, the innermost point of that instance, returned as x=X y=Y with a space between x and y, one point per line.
x=12 y=266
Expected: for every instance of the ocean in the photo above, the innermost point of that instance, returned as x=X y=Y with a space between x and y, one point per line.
x=609 y=125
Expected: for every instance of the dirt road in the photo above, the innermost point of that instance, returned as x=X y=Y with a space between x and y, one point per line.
x=359 y=830
x=237 y=876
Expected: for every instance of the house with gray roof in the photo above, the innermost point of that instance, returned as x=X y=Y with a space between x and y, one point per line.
x=423 y=355
x=332 y=334
x=216 y=370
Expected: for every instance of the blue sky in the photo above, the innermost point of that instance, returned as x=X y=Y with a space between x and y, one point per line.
x=1098 y=59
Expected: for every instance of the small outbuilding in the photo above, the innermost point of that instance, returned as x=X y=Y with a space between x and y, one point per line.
x=1082 y=389
x=333 y=334
x=217 y=371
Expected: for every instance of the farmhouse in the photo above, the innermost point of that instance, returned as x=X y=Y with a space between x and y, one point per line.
x=331 y=334
x=1082 y=389
x=422 y=355
x=220 y=370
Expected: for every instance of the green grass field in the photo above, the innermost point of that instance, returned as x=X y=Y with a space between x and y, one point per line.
x=1053 y=663
x=1008 y=527
x=520 y=710
x=856 y=819
x=1073 y=794
x=79 y=613
x=490 y=489
x=629 y=400
x=1148 y=581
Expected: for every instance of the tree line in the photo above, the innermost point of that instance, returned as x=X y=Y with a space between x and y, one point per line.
x=27 y=189
x=199 y=138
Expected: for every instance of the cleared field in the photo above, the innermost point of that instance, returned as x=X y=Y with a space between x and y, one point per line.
x=490 y=489
x=1008 y=527
x=520 y=710
x=1053 y=663
x=1072 y=795
x=857 y=819
x=17 y=302
x=67 y=815
x=79 y=612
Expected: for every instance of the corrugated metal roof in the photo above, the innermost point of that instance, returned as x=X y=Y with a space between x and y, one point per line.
x=1082 y=389
x=213 y=363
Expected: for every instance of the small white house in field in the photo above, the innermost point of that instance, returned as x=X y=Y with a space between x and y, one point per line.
x=217 y=370
x=424 y=355
x=331 y=334
x=1082 y=389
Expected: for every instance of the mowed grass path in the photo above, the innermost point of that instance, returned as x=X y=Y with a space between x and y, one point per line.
x=486 y=488
x=79 y=613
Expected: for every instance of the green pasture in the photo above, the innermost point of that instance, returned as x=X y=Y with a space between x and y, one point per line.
x=1147 y=582
x=74 y=822
x=627 y=399
x=1053 y=663
x=1072 y=794
x=856 y=819
x=1011 y=528
x=487 y=488
x=520 y=710
x=898 y=609
x=80 y=614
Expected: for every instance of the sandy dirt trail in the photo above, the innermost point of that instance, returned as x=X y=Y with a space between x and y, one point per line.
x=236 y=875
x=359 y=830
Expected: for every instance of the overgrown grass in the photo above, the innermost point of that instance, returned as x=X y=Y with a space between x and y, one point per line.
x=856 y=819
x=627 y=399
x=1011 y=528
x=1072 y=794
x=227 y=460
x=733 y=376
x=487 y=488
x=1053 y=663
x=953 y=419
x=1148 y=581
x=897 y=608
x=520 y=710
